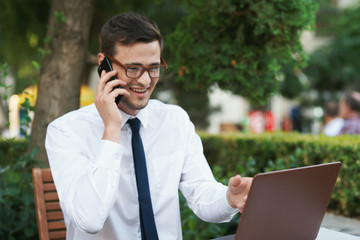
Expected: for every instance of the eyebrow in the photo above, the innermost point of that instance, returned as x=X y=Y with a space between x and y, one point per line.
x=139 y=64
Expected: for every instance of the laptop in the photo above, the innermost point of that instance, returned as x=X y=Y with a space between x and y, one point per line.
x=287 y=204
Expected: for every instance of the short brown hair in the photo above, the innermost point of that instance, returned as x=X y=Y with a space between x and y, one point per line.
x=126 y=29
x=352 y=99
x=331 y=109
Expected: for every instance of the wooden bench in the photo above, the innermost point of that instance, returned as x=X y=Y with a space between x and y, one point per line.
x=50 y=218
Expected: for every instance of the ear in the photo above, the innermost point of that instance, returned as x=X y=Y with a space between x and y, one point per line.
x=100 y=57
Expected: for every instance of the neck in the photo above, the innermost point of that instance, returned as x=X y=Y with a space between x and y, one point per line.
x=125 y=109
x=327 y=119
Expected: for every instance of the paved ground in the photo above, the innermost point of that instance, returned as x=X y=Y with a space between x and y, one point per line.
x=341 y=224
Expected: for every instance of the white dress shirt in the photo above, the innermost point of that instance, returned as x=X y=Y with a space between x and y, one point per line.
x=95 y=178
x=334 y=127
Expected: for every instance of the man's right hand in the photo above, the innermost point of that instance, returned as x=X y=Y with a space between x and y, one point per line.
x=106 y=106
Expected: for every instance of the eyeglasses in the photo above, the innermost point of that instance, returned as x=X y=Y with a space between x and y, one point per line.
x=136 y=71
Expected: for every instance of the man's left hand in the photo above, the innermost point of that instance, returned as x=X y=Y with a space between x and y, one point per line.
x=238 y=191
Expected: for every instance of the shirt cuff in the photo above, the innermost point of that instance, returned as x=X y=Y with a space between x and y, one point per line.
x=109 y=155
x=228 y=211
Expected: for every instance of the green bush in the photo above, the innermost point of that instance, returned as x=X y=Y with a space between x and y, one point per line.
x=17 y=207
x=11 y=150
x=248 y=154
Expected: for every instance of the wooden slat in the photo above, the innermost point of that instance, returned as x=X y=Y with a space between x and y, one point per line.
x=57 y=234
x=51 y=196
x=46 y=175
x=40 y=204
x=49 y=187
x=56 y=225
x=53 y=206
x=49 y=215
x=57 y=215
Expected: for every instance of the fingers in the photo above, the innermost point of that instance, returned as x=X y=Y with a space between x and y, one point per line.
x=118 y=91
x=235 y=184
x=109 y=97
x=104 y=78
x=104 y=85
x=241 y=206
x=247 y=181
x=235 y=181
x=109 y=87
x=106 y=90
x=238 y=191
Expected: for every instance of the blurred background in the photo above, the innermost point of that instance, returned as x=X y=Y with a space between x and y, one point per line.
x=329 y=66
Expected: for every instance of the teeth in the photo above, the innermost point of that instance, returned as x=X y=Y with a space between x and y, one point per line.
x=139 y=90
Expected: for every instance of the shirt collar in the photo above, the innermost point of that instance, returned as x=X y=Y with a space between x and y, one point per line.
x=143 y=116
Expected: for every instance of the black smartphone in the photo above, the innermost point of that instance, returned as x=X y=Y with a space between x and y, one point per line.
x=107 y=66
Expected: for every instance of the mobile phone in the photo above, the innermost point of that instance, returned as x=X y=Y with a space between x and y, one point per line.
x=107 y=66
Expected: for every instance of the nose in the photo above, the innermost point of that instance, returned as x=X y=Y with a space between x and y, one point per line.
x=144 y=79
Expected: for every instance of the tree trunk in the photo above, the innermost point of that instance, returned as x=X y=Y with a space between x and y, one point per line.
x=61 y=70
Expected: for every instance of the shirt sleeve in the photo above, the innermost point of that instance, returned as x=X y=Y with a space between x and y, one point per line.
x=204 y=195
x=86 y=183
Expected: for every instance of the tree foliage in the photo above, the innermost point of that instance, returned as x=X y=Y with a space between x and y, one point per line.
x=336 y=66
x=291 y=86
x=240 y=45
x=23 y=28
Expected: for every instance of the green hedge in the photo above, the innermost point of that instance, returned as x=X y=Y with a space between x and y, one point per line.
x=250 y=154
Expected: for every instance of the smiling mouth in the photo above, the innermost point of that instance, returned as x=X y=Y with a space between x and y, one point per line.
x=139 y=90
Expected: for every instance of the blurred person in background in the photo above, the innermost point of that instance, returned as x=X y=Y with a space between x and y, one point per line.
x=333 y=123
x=349 y=109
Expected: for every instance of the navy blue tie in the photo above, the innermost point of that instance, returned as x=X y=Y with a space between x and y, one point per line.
x=147 y=221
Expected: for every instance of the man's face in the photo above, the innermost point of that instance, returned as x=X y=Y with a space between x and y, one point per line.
x=140 y=89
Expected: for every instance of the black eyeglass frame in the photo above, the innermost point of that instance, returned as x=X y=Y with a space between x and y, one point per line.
x=143 y=69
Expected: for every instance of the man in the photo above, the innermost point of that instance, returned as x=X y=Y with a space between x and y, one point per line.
x=95 y=169
x=349 y=109
x=333 y=123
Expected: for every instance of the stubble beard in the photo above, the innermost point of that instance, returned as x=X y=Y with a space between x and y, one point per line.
x=134 y=106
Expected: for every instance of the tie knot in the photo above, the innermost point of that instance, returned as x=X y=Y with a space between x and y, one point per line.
x=134 y=124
